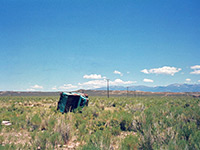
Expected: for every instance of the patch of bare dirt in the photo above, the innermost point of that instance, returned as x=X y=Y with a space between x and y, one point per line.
x=21 y=137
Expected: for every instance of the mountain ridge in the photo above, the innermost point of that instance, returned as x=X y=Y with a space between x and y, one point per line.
x=176 y=87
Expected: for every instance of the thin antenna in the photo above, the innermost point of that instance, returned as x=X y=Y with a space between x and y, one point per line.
x=107 y=88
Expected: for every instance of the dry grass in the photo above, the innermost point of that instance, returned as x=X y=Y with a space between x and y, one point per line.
x=114 y=123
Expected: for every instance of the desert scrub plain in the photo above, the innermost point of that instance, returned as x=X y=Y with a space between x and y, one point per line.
x=116 y=123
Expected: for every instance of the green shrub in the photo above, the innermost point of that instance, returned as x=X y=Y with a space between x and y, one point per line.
x=11 y=146
x=186 y=130
x=195 y=140
x=130 y=143
x=36 y=121
x=90 y=146
x=64 y=129
x=42 y=139
x=126 y=121
x=1 y=139
x=51 y=123
x=147 y=140
x=54 y=139
x=99 y=140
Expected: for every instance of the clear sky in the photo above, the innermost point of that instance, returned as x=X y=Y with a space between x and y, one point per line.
x=51 y=45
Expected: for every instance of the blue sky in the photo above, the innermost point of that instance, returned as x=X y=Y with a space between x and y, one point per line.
x=71 y=44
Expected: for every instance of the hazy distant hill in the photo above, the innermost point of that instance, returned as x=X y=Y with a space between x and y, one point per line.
x=177 y=89
x=96 y=93
x=169 y=88
x=17 y=93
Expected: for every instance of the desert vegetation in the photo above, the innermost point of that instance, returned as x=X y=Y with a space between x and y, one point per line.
x=126 y=123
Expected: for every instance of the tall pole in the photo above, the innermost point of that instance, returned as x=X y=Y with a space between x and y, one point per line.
x=135 y=93
x=107 y=88
x=127 y=91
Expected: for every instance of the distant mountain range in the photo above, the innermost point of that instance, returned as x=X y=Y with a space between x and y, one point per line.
x=170 y=88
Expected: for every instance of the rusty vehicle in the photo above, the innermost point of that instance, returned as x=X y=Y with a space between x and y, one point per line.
x=72 y=100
